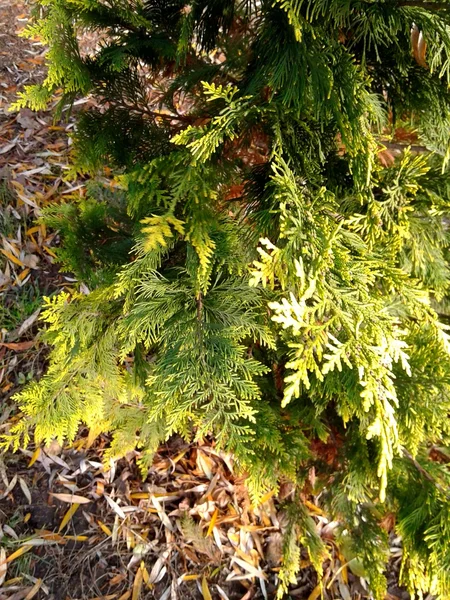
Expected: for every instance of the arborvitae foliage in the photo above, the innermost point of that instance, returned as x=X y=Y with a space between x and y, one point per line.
x=270 y=266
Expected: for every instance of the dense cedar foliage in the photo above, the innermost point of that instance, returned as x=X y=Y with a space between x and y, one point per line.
x=269 y=265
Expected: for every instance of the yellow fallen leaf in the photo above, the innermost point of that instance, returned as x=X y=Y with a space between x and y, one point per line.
x=205 y=589
x=13 y=581
x=69 y=514
x=117 y=579
x=212 y=522
x=190 y=577
x=34 y=590
x=34 y=229
x=27 y=517
x=24 y=274
x=140 y=495
x=47 y=249
x=145 y=573
x=34 y=458
x=179 y=456
x=12 y=258
x=267 y=496
x=76 y=538
x=316 y=592
x=344 y=569
x=130 y=539
x=313 y=507
x=104 y=528
x=18 y=553
x=137 y=584
x=49 y=535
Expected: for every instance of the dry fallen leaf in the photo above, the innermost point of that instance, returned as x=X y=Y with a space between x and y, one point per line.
x=71 y=498
x=18 y=346
x=10 y=487
x=3 y=565
x=31 y=261
x=116 y=508
x=316 y=592
x=18 y=553
x=104 y=528
x=34 y=590
x=25 y=489
x=419 y=46
x=34 y=458
x=205 y=589
x=137 y=584
x=67 y=517
x=206 y=464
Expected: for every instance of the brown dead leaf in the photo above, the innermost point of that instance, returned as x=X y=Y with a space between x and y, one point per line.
x=206 y=464
x=386 y=158
x=31 y=261
x=419 y=46
x=18 y=346
x=3 y=565
x=27 y=119
x=274 y=550
x=20 y=594
x=71 y=498
x=117 y=579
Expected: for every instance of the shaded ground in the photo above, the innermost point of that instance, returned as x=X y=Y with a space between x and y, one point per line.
x=70 y=527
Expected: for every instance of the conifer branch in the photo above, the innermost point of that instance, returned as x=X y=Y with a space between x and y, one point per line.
x=333 y=266
x=426 y=474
